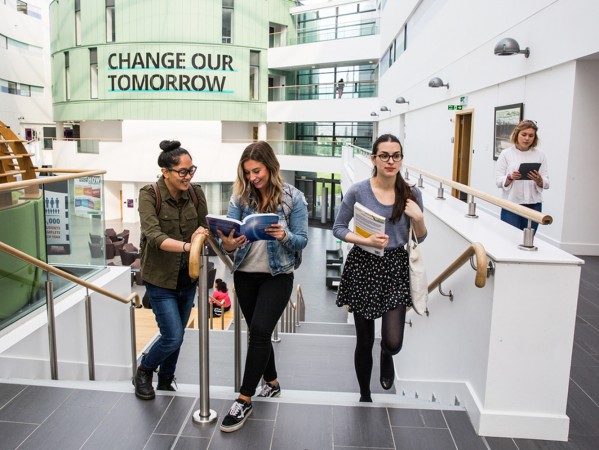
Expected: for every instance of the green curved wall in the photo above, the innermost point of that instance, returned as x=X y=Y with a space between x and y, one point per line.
x=167 y=62
x=22 y=227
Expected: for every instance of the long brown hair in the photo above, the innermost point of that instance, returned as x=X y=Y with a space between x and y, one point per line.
x=403 y=191
x=263 y=153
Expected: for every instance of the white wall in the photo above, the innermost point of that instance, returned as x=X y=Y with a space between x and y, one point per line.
x=555 y=91
x=30 y=67
x=579 y=231
x=326 y=53
x=338 y=110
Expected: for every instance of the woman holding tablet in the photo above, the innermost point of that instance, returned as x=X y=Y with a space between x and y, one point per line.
x=521 y=173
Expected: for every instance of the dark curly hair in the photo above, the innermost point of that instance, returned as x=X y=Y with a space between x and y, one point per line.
x=221 y=285
x=171 y=154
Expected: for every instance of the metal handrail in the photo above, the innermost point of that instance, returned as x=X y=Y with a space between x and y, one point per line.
x=134 y=301
x=196 y=252
x=220 y=303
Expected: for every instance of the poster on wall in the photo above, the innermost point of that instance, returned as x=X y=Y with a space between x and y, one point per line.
x=506 y=119
x=88 y=196
x=56 y=211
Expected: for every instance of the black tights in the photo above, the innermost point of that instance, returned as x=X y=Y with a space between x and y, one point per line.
x=391 y=342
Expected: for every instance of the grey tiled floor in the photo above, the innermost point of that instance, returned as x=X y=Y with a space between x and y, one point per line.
x=37 y=417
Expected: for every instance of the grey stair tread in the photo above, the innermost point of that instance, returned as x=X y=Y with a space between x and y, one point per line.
x=300 y=359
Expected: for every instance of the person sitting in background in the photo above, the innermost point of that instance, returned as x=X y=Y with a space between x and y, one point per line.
x=221 y=294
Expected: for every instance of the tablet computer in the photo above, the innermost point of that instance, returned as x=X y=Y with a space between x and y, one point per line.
x=525 y=168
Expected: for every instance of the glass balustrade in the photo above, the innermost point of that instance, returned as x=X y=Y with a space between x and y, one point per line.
x=325 y=32
x=323 y=91
x=60 y=223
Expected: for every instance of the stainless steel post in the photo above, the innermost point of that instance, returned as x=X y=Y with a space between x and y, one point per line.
x=420 y=182
x=90 y=337
x=133 y=338
x=323 y=205
x=204 y=414
x=275 y=333
x=440 y=192
x=471 y=207
x=293 y=316
x=51 y=329
x=529 y=239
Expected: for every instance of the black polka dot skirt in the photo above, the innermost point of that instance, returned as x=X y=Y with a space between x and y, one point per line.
x=371 y=285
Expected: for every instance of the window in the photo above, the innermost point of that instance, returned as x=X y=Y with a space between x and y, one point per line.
x=49 y=133
x=254 y=75
x=25 y=90
x=110 y=21
x=12 y=87
x=227 y=28
x=93 y=72
x=21 y=7
x=67 y=77
x=77 y=22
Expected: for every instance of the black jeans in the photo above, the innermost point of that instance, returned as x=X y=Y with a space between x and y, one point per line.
x=262 y=298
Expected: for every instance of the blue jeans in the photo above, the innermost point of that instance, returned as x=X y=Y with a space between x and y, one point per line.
x=518 y=221
x=262 y=298
x=172 y=309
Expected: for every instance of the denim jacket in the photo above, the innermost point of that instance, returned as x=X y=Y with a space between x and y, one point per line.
x=281 y=255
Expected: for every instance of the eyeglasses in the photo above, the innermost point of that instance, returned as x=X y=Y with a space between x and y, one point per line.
x=385 y=156
x=529 y=121
x=184 y=172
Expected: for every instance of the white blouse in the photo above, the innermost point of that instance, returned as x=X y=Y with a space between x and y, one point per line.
x=523 y=192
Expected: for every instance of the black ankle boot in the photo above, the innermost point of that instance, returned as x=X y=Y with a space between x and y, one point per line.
x=165 y=383
x=143 y=384
x=387 y=370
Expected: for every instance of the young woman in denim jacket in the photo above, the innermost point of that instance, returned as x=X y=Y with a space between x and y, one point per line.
x=263 y=270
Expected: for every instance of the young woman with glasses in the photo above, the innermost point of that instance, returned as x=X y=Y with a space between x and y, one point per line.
x=165 y=261
x=526 y=191
x=375 y=286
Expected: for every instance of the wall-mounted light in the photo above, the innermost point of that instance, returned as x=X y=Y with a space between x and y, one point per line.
x=21 y=118
x=401 y=100
x=509 y=46
x=373 y=114
x=384 y=108
x=437 y=82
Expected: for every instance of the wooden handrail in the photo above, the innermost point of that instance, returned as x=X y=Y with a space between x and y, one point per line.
x=194 y=255
x=61 y=273
x=523 y=211
x=36 y=181
x=480 y=279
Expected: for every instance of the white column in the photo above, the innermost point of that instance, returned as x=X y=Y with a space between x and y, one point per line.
x=262 y=131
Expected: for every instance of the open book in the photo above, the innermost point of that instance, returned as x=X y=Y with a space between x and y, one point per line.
x=252 y=226
x=367 y=222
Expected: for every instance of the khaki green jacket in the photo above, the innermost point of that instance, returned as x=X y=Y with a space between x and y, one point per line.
x=177 y=220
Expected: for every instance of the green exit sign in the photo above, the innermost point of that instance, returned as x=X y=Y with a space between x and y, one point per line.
x=454 y=107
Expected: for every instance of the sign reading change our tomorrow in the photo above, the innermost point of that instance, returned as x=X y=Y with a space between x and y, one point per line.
x=179 y=72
